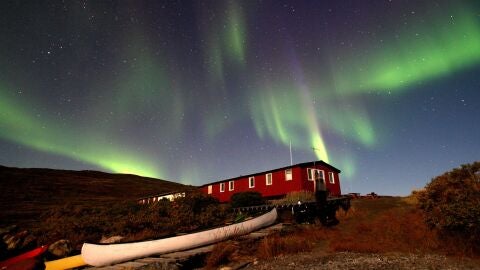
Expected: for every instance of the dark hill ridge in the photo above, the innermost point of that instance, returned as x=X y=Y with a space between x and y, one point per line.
x=27 y=193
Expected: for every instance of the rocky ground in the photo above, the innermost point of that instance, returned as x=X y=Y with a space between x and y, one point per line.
x=14 y=241
x=348 y=260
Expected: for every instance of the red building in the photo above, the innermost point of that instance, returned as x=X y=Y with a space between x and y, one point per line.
x=278 y=182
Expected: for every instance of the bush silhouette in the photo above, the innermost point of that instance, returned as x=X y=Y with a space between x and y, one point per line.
x=135 y=222
x=248 y=198
x=451 y=203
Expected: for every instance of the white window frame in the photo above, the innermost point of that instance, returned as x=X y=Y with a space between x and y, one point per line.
x=289 y=174
x=268 y=176
x=231 y=185
x=209 y=189
x=323 y=174
x=222 y=187
x=331 y=177
x=251 y=182
x=311 y=173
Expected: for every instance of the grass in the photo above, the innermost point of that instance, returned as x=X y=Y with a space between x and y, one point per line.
x=387 y=224
x=222 y=253
x=130 y=220
x=30 y=193
x=276 y=245
x=294 y=197
x=382 y=225
x=392 y=230
x=84 y=206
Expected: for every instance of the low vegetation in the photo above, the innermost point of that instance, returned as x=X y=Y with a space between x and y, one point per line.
x=444 y=217
x=451 y=203
x=222 y=254
x=294 y=197
x=398 y=227
x=278 y=244
x=248 y=198
x=29 y=193
x=132 y=221
x=389 y=224
x=371 y=225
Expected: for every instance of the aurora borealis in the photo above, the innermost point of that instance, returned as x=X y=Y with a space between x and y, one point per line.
x=198 y=91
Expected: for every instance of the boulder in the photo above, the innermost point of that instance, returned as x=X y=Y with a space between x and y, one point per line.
x=111 y=240
x=12 y=244
x=8 y=230
x=29 y=242
x=61 y=248
x=11 y=241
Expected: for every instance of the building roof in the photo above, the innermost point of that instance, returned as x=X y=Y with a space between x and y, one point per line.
x=304 y=164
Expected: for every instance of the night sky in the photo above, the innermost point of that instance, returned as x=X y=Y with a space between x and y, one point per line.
x=199 y=91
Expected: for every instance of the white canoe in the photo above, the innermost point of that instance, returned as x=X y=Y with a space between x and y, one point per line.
x=101 y=255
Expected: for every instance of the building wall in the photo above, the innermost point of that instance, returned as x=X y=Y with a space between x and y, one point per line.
x=158 y=198
x=334 y=189
x=279 y=186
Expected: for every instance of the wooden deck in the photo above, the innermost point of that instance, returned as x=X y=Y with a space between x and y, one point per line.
x=336 y=202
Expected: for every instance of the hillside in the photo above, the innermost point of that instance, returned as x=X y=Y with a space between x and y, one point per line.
x=26 y=193
x=381 y=233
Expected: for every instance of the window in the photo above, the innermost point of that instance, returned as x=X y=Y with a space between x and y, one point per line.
x=230 y=185
x=209 y=189
x=288 y=174
x=331 y=177
x=268 y=179
x=222 y=187
x=321 y=174
x=312 y=173
x=251 y=182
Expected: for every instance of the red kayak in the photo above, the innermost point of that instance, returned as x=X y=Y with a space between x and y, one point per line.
x=27 y=255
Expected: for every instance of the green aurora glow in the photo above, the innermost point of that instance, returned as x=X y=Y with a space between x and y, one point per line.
x=38 y=133
x=443 y=49
x=424 y=54
x=284 y=116
x=145 y=81
x=235 y=33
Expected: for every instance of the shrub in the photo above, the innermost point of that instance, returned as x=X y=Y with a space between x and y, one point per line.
x=80 y=223
x=295 y=196
x=197 y=211
x=412 y=199
x=275 y=245
x=222 y=253
x=451 y=203
x=248 y=198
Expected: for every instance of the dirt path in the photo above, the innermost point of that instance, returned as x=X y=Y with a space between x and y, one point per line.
x=347 y=260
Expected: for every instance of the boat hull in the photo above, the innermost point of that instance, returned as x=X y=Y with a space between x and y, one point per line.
x=27 y=255
x=65 y=263
x=101 y=255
